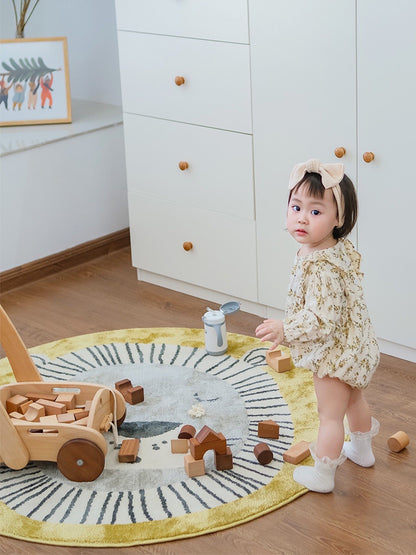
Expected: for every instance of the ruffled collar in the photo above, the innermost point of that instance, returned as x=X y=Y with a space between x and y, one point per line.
x=342 y=255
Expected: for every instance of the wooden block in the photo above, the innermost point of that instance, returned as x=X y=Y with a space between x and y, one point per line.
x=88 y=405
x=128 y=450
x=14 y=403
x=206 y=434
x=398 y=441
x=134 y=395
x=51 y=407
x=263 y=453
x=224 y=462
x=194 y=467
x=219 y=445
x=48 y=419
x=66 y=418
x=105 y=424
x=17 y=415
x=68 y=399
x=297 y=453
x=34 y=412
x=179 y=445
x=278 y=361
x=82 y=421
x=24 y=406
x=36 y=396
x=122 y=385
x=187 y=432
x=268 y=429
x=81 y=413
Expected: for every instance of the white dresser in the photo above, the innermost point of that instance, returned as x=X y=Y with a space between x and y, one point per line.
x=185 y=70
x=221 y=98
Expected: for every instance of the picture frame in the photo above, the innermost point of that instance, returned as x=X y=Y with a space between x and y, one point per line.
x=34 y=81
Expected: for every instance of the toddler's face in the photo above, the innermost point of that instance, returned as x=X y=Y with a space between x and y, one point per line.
x=311 y=220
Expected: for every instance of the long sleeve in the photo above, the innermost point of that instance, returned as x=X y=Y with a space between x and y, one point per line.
x=316 y=315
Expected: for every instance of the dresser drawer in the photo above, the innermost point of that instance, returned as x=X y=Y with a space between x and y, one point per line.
x=219 y=175
x=213 y=19
x=223 y=255
x=216 y=91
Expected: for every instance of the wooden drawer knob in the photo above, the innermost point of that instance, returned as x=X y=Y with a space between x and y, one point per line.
x=368 y=157
x=187 y=245
x=179 y=80
x=340 y=152
x=183 y=165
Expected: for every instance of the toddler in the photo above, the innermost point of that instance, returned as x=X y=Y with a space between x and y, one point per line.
x=327 y=325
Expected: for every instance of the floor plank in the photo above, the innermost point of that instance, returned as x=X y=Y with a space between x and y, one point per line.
x=371 y=511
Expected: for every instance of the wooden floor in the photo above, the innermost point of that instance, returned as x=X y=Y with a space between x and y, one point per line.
x=371 y=511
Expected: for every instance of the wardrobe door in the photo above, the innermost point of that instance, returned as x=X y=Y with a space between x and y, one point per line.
x=386 y=47
x=303 y=86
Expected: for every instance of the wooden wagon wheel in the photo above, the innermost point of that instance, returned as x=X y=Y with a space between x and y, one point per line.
x=80 y=460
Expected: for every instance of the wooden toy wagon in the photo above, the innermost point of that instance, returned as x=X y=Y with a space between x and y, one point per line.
x=53 y=421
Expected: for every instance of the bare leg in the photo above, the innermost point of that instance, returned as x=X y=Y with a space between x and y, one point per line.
x=333 y=400
x=358 y=412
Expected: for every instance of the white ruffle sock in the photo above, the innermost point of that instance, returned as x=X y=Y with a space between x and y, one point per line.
x=321 y=477
x=359 y=449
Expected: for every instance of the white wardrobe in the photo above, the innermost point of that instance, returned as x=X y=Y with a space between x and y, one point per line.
x=221 y=99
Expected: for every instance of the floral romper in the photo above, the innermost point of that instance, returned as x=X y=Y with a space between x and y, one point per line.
x=327 y=325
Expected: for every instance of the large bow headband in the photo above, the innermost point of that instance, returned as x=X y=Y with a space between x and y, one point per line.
x=331 y=175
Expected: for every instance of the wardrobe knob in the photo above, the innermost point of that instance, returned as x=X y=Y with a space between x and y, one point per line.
x=340 y=152
x=179 y=80
x=187 y=246
x=368 y=157
x=183 y=165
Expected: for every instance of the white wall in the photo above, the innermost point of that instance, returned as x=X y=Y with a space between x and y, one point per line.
x=92 y=42
x=58 y=195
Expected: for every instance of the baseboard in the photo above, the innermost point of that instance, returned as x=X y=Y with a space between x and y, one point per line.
x=38 y=269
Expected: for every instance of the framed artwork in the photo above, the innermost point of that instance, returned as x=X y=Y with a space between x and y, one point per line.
x=34 y=81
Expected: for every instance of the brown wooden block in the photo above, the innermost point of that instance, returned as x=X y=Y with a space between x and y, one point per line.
x=194 y=467
x=187 y=432
x=81 y=414
x=128 y=450
x=179 y=445
x=122 y=385
x=34 y=412
x=68 y=399
x=398 y=441
x=14 y=403
x=66 y=418
x=199 y=449
x=224 y=462
x=51 y=407
x=134 y=395
x=278 y=360
x=24 y=406
x=268 y=429
x=263 y=453
x=297 y=453
x=206 y=434
x=36 y=396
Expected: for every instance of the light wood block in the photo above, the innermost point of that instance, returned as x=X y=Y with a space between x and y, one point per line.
x=34 y=412
x=297 y=453
x=278 y=360
x=66 y=418
x=398 y=441
x=128 y=450
x=194 y=467
x=49 y=419
x=68 y=399
x=179 y=445
x=51 y=407
x=17 y=415
x=14 y=403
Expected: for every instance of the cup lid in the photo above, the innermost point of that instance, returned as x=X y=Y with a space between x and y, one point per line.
x=230 y=307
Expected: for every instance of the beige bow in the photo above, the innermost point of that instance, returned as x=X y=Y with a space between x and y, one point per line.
x=331 y=174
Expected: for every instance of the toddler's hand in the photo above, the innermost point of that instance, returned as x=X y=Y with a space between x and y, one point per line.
x=271 y=330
